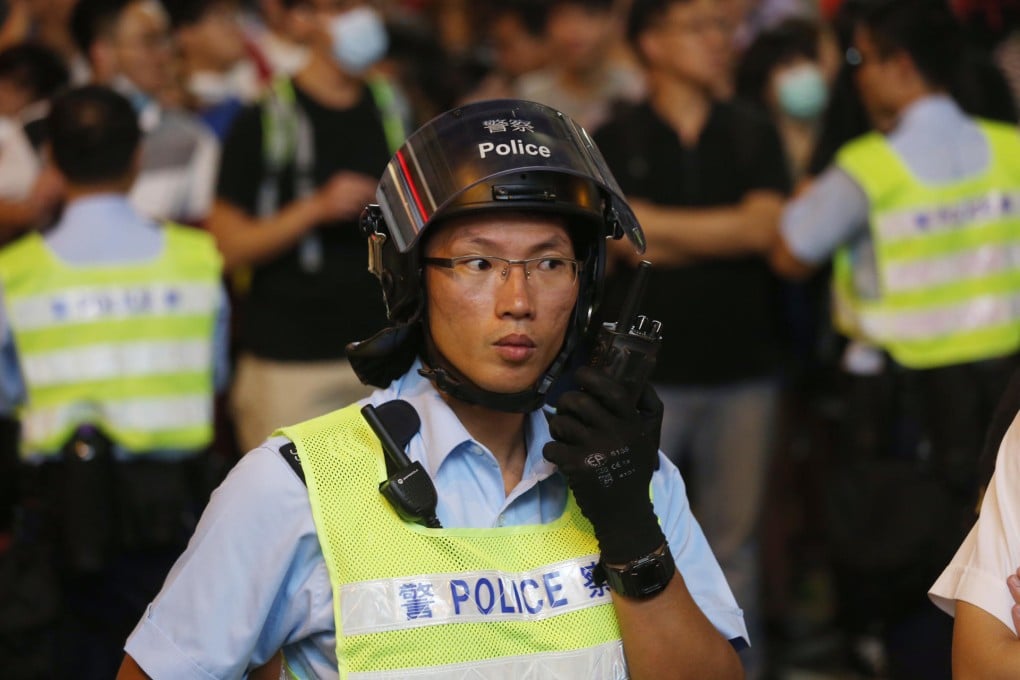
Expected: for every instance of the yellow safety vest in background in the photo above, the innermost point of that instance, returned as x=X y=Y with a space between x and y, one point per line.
x=947 y=256
x=413 y=602
x=126 y=347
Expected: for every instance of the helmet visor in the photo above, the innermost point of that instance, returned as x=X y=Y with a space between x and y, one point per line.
x=494 y=147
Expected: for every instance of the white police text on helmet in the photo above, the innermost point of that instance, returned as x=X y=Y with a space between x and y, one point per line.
x=514 y=147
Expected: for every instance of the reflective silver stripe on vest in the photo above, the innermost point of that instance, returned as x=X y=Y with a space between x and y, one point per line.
x=984 y=261
x=122 y=360
x=987 y=311
x=604 y=662
x=148 y=414
x=991 y=207
x=482 y=596
x=92 y=303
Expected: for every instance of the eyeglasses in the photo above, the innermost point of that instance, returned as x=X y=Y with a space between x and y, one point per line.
x=548 y=273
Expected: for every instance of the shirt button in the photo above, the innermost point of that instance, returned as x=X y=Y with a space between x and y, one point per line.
x=500 y=521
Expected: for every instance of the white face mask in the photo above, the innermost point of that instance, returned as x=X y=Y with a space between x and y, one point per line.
x=359 y=38
x=802 y=92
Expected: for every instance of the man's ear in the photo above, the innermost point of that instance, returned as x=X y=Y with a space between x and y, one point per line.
x=103 y=57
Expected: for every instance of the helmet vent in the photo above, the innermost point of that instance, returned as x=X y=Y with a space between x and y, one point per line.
x=522 y=192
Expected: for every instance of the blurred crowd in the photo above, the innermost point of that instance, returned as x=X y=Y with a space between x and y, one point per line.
x=267 y=123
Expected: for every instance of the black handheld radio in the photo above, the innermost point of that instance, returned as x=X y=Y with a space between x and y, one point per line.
x=627 y=349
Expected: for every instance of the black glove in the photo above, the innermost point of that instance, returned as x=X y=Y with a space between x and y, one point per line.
x=608 y=449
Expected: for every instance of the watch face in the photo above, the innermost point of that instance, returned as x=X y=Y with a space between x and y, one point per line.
x=648 y=577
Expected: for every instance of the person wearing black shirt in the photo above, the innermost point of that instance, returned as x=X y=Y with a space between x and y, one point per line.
x=705 y=178
x=292 y=219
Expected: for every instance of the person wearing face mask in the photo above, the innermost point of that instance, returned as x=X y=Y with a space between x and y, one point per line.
x=129 y=48
x=297 y=168
x=780 y=72
x=921 y=220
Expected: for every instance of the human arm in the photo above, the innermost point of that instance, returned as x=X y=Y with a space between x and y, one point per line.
x=983 y=647
x=251 y=581
x=977 y=588
x=678 y=235
x=608 y=450
x=35 y=209
x=831 y=212
x=245 y=238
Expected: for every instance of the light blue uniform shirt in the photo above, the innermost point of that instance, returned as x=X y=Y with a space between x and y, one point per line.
x=99 y=230
x=253 y=579
x=937 y=141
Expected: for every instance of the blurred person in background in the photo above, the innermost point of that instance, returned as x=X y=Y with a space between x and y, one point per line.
x=921 y=219
x=47 y=23
x=219 y=75
x=781 y=72
x=112 y=342
x=30 y=190
x=705 y=177
x=130 y=48
x=267 y=34
x=586 y=74
x=515 y=35
x=297 y=169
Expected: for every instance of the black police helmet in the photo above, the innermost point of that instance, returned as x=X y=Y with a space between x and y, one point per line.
x=501 y=155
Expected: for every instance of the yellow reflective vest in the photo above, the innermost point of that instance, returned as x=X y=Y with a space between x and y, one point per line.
x=412 y=602
x=127 y=347
x=947 y=257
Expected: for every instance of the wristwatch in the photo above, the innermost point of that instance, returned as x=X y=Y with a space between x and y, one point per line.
x=640 y=578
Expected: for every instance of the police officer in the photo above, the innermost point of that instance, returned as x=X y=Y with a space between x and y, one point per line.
x=923 y=221
x=562 y=544
x=111 y=328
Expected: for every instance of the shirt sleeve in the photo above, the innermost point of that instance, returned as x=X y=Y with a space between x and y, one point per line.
x=221 y=344
x=248 y=584
x=833 y=211
x=692 y=554
x=991 y=552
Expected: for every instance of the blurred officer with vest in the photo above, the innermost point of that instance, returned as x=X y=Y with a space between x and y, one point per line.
x=923 y=221
x=113 y=336
x=561 y=543
x=296 y=171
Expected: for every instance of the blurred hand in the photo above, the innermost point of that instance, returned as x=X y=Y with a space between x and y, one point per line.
x=345 y=195
x=47 y=192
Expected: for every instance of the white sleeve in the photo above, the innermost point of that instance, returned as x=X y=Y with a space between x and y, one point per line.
x=991 y=552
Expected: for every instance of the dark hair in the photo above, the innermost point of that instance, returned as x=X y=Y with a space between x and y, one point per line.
x=34 y=68
x=189 y=12
x=793 y=39
x=589 y=5
x=93 y=134
x=924 y=29
x=93 y=18
x=531 y=13
x=643 y=15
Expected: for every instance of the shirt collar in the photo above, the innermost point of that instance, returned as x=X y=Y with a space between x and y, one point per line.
x=444 y=432
x=107 y=210
x=933 y=108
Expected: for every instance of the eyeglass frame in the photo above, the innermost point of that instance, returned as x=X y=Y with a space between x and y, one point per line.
x=451 y=263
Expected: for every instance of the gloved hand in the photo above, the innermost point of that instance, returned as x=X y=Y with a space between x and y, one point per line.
x=608 y=449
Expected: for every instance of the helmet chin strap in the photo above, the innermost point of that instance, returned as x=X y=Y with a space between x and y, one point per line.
x=441 y=373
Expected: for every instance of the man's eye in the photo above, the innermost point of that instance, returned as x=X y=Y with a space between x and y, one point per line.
x=477 y=264
x=551 y=264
